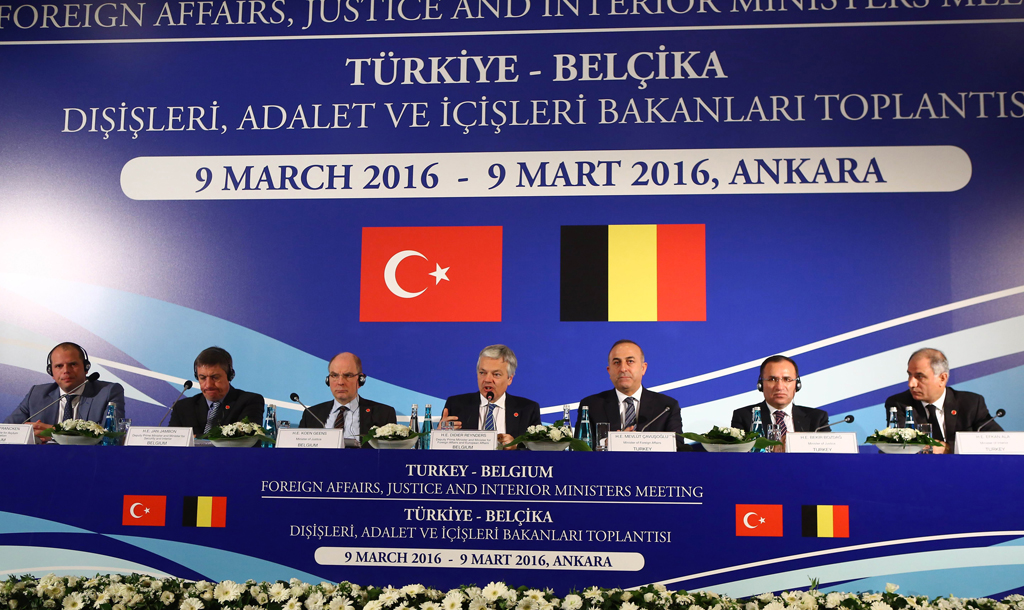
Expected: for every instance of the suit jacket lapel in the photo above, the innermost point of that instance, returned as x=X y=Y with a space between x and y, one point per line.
x=949 y=410
x=365 y=417
x=647 y=410
x=612 y=413
x=766 y=417
x=800 y=421
x=473 y=415
x=52 y=412
x=201 y=409
x=511 y=416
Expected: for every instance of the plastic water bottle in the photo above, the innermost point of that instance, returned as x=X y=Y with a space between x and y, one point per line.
x=584 y=426
x=757 y=426
x=110 y=425
x=414 y=423
x=270 y=425
x=909 y=417
x=428 y=426
x=893 y=422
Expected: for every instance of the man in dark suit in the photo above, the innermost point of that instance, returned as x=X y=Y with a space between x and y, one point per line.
x=779 y=381
x=219 y=403
x=492 y=408
x=946 y=409
x=348 y=411
x=630 y=406
x=70 y=396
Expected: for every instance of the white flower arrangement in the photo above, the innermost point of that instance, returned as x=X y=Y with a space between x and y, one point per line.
x=78 y=427
x=558 y=432
x=242 y=429
x=137 y=592
x=901 y=436
x=391 y=432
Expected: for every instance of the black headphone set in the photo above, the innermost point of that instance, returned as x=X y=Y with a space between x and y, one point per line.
x=231 y=367
x=81 y=351
x=362 y=380
x=760 y=379
x=760 y=384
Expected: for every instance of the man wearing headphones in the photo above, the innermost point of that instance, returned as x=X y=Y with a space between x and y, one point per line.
x=348 y=411
x=70 y=396
x=779 y=381
x=219 y=403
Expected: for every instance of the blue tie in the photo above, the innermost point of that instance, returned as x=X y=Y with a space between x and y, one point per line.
x=489 y=420
x=69 y=411
x=211 y=415
x=630 y=413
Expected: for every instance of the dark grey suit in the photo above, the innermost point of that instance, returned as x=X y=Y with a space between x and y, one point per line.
x=371 y=414
x=237 y=405
x=960 y=411
x=91 y=406
x=805 y=419
x=659 y=410
x=520 y=413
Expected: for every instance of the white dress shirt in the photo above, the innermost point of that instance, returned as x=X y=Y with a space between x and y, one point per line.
x=622 y=405
x=351 y=417
x=499 y=413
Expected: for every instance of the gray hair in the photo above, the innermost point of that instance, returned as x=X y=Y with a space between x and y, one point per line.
x=936 y=358
x=501 y=352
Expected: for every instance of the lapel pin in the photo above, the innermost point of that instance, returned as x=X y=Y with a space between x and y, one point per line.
x=515 y=415
x=953 y=412
x=367 y=410
x=226 y=407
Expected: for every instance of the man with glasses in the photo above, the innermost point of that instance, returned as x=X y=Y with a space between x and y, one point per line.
x=779 y=381
x=348 y=411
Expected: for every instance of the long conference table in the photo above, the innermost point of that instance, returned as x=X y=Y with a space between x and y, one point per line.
x=734 y=523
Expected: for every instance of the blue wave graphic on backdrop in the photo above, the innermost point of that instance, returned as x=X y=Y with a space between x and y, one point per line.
x=216 y=564
x=40 y=561
x=166 y=338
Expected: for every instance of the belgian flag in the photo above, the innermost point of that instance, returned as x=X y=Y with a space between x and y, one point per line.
x=826 y=521
x=204 y=511
x=633 y=273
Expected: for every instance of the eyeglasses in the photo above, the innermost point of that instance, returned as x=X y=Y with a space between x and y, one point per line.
x=346 y=376
x=786 y=380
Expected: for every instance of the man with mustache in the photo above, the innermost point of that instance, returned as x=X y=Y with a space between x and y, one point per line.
x=779 y=381
x=630 y=406
x=946 y=409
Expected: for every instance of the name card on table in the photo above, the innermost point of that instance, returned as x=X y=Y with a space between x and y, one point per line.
x=990 y=443
x=16 y=434
x=821 y=442
x=310 y=438
x=642 y=441
x=464 y=440
x=141 y=436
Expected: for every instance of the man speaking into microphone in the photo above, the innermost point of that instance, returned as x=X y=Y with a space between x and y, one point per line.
x=492 y=408
x=629 y=406
x=219 y=403
x=72 y=395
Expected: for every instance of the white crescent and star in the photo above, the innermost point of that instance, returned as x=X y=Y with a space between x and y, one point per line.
x=391 y=268
x=746 y=521
x=131 y=510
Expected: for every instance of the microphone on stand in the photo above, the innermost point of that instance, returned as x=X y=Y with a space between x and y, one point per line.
x=846 y=420
x=999 y=413
x=295 y=398
x=92 y=377
x=187 y=386
x=490 y=397
x=644 y=429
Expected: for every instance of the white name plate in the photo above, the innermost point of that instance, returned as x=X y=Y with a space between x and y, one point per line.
x=310 y=438
x=141 y=436
x=990 y=443
x=642 y=441
x=821 y=442
x=16 y=434
x=464 y=440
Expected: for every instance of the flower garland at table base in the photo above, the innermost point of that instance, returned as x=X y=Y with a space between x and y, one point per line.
x=138 y=592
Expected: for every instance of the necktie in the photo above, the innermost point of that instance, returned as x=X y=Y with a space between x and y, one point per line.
x=211 y=417
x=780 y=420
x=489 y=420
x=339 y=420
x=69 y=411
x=630 y=413
x=934 y=421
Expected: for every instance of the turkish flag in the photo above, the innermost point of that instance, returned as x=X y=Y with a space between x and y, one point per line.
x=144 y=510
x=759 y=520
x=430 y=274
